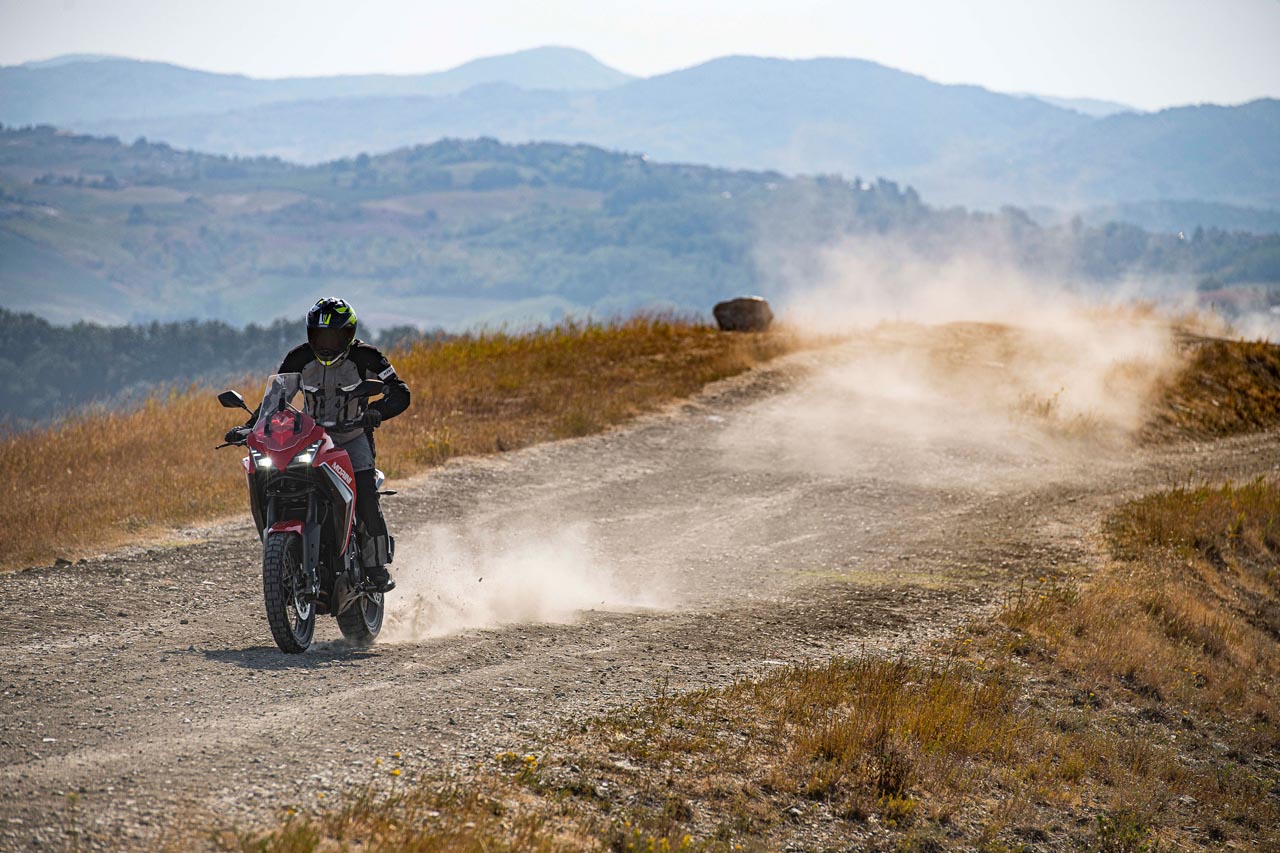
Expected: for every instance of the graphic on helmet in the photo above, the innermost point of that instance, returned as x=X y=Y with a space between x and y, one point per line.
x=331 y=327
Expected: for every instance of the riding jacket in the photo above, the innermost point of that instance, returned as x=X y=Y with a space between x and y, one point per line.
x=362 y=361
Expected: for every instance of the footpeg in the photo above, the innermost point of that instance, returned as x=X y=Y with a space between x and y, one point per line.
x=369 y=585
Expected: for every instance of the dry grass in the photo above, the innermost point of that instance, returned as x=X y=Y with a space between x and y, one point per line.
x=450 y=816
x=103 y=480
x=493 y=393
x=1227 y=387
x=893 y=742
x=1203 y=577
x=1175 y=650
x=1188 y=616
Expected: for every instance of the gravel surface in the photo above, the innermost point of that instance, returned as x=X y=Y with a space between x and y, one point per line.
x=775 y=518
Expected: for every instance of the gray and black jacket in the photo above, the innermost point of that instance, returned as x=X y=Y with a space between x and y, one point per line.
x=362 y=361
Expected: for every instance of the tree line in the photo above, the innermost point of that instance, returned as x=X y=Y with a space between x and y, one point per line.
x=50 y=370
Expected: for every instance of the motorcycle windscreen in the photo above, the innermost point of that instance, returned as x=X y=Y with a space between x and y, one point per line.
x=282 y=389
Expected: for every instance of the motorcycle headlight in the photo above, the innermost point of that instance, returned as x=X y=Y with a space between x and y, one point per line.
x=260 y=460
x=303 y=459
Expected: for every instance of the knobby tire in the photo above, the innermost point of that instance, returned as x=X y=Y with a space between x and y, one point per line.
x=279 y=558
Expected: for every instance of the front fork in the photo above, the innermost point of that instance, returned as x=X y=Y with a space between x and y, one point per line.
x=309 y=530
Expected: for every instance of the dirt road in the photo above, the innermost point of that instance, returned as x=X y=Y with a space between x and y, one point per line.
x=793 y=513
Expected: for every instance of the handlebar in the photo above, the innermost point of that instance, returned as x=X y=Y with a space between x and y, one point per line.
x=341 y=426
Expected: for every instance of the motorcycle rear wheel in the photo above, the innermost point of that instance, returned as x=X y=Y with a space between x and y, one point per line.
x=361 y=622
x=291 y=617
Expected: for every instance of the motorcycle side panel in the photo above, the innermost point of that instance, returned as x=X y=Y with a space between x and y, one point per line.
x=336 y=465
x=336 y=456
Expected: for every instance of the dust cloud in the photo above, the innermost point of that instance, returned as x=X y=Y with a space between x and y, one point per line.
x=453 y=578
x=957 y=372
x=1256 y=325
x=947 y=375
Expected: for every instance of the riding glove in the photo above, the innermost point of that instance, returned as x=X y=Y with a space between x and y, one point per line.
x=372 y=419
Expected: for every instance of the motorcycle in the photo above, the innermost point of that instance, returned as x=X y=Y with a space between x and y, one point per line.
x=302 y=495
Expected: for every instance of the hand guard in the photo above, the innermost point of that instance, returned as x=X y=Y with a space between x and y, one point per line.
x=236 y=435
x=372 y=419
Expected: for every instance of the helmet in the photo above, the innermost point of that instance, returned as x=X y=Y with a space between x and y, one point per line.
x=331 y=327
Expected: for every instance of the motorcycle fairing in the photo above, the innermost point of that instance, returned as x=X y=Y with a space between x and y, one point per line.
x=336 y=465
x=282 y=435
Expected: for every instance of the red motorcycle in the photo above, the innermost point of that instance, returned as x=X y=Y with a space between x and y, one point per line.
x=303 y=498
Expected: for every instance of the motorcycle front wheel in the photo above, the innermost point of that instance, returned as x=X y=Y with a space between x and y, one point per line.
x=291 y=616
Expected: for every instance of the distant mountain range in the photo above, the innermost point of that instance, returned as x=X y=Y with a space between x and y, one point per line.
x=958 y=145
x=74 y=90
x=1089 y=106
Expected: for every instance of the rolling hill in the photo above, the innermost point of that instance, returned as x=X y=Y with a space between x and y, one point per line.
x=461 y=232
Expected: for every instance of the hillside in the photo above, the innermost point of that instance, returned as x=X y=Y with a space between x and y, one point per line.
x=1207 y=152
x=1173 y=216
x=955 y=144
x=465 y=232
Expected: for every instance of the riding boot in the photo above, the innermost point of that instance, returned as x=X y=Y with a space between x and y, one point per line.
x=374 y=556
x=377 y=548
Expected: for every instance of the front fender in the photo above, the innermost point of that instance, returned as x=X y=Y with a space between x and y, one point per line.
x=291 y=526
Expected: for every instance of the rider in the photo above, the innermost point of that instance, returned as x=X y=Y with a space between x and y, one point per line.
x=333 y=358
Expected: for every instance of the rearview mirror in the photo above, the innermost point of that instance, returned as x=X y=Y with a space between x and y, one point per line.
x=232 y=400
x=367 y=388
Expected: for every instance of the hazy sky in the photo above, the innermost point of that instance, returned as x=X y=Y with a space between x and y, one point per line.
x=1148 y=53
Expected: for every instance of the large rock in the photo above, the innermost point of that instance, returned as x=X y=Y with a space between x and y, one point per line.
x=744 y=314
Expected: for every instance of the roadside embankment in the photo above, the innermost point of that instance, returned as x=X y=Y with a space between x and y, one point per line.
x=108 y=479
